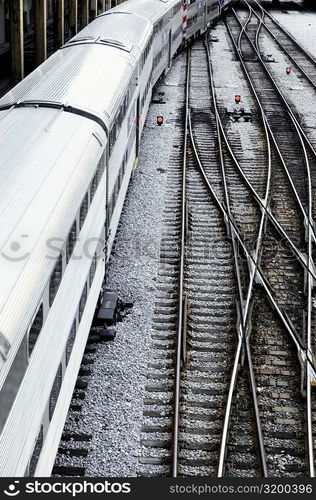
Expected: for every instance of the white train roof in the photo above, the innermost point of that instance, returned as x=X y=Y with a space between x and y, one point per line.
x=42 y=170
x=117 y=25
x=87 y=75
x=90 y=77
x=150 y=9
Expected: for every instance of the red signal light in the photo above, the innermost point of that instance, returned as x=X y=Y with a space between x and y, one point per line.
x=288 y=70
x=237 y=98
x=159 y=120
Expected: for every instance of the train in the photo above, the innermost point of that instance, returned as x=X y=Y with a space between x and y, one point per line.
x=69 y=141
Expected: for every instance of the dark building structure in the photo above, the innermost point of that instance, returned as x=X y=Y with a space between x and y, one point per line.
x=31 y=30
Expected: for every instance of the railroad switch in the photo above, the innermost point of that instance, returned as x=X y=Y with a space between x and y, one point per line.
x=239 y=114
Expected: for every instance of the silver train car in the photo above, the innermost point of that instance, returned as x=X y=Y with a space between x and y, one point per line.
x=69 y=137
x=200 y=13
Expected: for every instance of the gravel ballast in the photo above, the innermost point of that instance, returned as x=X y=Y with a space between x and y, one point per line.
x=294 y=88
x=301 y=25
x=113 y=407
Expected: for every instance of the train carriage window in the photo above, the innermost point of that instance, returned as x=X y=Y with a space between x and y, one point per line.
x=112 y=202
x=118 y=180
x=158 y=26
x=101 y=168
x=119 y=119
x=83 y=300
x=36 y=453
x=55 y=391
x=71 y=242
x=117 y=186
x=55 y=280
x=109 y=212
x=122 y=171
x=70 y=341
x=13 y=381
x=177 y=33
x=112 y=137
x=94 y=185
x=35 y=329
x=93 y=269
x=83 y=210
x=176 y=8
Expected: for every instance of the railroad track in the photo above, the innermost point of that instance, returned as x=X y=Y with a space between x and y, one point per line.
x=305 y=64
x=265 y=382
x=295 y=150
x=158 y=400
x=281 y=277
x=263 y=369
x=300 y=57
x=246 y=33
x=182 y=436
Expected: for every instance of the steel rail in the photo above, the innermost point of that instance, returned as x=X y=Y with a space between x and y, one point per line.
x=278 y=91
x=277 y=226
x=245 y=306
x=179 y=341
x=303 y=355
x=288 y=34
x=307 y=217
x=264 y=204
x=309 y=264
x=228 y=220
x=309 y=420
x=299 y=130
x=294 y=61
x=240 y=313
x=240 y=329
x=300 y=257
x=309 y=186
x=308 y=373
x=302 y=352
